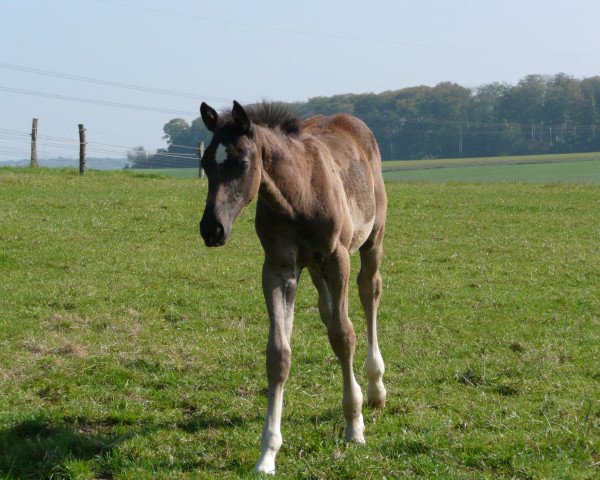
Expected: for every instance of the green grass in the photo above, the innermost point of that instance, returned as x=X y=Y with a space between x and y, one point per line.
x=173 y=172
x=489 y=161
x=564 y=172
x=554 y=168
x=130 y=351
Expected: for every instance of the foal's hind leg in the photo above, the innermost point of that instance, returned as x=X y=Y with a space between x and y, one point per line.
x=343 y=340
x=369 y=288
x=325 y=305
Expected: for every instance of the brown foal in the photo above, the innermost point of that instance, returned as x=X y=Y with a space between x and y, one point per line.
x=320 y=198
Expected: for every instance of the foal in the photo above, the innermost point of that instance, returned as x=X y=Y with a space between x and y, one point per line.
x=320 y=197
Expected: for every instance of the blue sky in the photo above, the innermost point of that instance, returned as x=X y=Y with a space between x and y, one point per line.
x=221 y=50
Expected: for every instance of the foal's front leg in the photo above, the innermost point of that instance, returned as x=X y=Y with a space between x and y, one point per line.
x=279 y=287
x=343 y=340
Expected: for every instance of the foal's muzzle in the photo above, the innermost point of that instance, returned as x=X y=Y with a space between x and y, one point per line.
x=212 y=231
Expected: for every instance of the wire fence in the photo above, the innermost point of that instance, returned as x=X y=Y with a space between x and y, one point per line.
x=62 y=151
x=58 y=151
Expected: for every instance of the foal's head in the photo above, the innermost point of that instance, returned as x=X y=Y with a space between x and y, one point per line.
x=232 y=165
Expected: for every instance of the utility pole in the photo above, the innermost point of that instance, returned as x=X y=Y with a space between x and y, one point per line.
x=34 y=160
x=200 y=155
x=81 y=149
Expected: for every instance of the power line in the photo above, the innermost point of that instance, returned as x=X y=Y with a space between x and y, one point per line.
x=169 y=92
x=111 y=83
x=195 y=114
x=97 y=102
x=16 y=150
x=16 y=155
x=403 y=121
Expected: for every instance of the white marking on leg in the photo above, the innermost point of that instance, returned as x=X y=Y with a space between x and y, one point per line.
x=375 y=368
x=271 y=436
x=352 y=402
x=369 y=287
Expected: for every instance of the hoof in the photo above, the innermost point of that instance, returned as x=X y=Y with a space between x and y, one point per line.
x=260 y=471
x=355 y=432
x=358 y=440
x=376 y=394
x=378 y=403
x=264 y=467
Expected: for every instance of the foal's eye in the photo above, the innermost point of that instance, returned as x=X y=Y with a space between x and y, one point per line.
x=240 y=167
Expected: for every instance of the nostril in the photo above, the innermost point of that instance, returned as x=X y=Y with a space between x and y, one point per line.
x=219 y=232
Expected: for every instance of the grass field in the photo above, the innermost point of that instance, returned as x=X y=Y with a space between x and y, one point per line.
x=563 y=172
x=130 y=351
x=555 y=168
x=391 y=165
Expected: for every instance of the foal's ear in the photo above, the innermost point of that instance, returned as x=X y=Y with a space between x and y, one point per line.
x=209 y=116
x=240 y=117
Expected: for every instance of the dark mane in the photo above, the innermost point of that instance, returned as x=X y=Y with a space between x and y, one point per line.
x=270 y=115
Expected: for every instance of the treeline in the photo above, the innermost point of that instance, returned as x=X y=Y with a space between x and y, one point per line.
x=540 y=114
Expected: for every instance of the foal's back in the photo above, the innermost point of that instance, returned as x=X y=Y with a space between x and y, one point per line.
x=354 y=150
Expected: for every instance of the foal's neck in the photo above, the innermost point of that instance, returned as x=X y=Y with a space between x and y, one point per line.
x=282 y=173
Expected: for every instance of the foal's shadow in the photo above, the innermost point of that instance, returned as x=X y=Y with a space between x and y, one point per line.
x=40 y=447
x=43 y=447
x=197 y=422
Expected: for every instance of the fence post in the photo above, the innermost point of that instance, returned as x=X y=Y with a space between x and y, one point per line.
x=81 y=149
x=200 y=155
x=34 y=161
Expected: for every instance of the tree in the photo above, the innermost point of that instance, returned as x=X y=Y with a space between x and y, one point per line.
x=537 y=115
x=176 y=130
x=137 y=157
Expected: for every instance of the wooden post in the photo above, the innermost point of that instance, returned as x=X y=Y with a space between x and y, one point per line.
x=34 y=160
x=81 y=149
x=200 y=155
